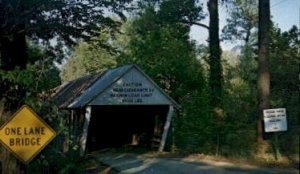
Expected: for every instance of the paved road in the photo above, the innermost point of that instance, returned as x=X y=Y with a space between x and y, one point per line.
x=138 y=164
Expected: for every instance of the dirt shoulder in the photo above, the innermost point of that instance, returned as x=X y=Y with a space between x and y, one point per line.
x=267 y=162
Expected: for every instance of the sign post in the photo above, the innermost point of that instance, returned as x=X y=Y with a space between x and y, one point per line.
x=25 y=134
x=275 y=121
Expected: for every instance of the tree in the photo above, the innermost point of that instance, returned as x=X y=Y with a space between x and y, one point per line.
x=284 y=70
x=242 y=26
x=242 y=22
x=25 y=86
x=240 y=81
x=159 y=43
x=64 y=21
x=215 y=68
x=215 y=78
x=52 y=26
x=263 y=76
x=89 y=58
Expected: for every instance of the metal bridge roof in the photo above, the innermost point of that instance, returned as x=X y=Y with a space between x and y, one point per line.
x=99 y=89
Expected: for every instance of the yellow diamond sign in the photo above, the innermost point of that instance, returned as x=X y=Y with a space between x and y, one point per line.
x=26 y=134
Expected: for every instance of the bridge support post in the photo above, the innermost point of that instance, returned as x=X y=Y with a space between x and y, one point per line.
x=166 y=129
x=83 y=139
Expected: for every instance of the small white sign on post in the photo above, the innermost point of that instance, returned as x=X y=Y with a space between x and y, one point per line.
x=275 y=120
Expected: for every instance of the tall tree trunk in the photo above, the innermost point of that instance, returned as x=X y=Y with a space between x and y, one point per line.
x=215 y=79
x=12 y=37
x=263 y=78
x=13 y=53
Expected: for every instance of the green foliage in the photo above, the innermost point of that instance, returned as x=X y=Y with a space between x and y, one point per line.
x=240 y=81
x=87 y=59
x=60 y=20
x=52 y=156
x=284 y=69
x=92 y=57
x=162 y=49
x=240 y=95
x=195 y=127
x=19 y=85
x=243 y=20
x=239 y=102
x=174 y=11
x=32 y=86
x=159 y=43
x=156 y=39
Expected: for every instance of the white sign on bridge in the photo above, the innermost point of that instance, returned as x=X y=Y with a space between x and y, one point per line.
x=275 y=120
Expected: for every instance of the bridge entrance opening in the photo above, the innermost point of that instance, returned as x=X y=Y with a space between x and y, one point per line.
x=118 y=126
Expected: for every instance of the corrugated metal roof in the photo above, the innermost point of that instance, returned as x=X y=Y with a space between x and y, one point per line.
x=100 y=85
x=80 y=92
x=68 y=92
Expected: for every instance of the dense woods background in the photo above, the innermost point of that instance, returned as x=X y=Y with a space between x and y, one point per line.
x=46 y=43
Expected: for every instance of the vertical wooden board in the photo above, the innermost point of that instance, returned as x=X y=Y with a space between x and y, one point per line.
x=166 y=129
x=83 y=140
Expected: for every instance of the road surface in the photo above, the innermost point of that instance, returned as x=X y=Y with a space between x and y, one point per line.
x=139 y=164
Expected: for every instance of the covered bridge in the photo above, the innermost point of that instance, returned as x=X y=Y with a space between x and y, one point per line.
x=121 y=106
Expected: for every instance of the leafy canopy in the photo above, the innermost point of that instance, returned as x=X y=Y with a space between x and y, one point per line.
x=57 y=23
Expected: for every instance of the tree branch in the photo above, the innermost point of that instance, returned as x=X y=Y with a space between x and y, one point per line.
x=200 y=25
x=196 y=23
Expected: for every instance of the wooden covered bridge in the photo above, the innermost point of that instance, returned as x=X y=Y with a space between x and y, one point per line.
x=121 y=106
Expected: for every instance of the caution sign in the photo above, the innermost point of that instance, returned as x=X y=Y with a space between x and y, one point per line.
x=26 y=134
x=275 y=120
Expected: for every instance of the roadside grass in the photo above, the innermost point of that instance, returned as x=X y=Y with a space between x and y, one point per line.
x=268 y=160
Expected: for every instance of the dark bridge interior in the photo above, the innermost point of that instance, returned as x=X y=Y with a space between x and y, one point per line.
x=117 y=126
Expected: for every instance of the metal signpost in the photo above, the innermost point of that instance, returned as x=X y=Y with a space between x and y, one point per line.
x=25 y=134
x=275 y=121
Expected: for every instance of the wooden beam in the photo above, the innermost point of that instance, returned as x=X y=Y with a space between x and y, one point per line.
x=166 y=129
x=83 y=139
